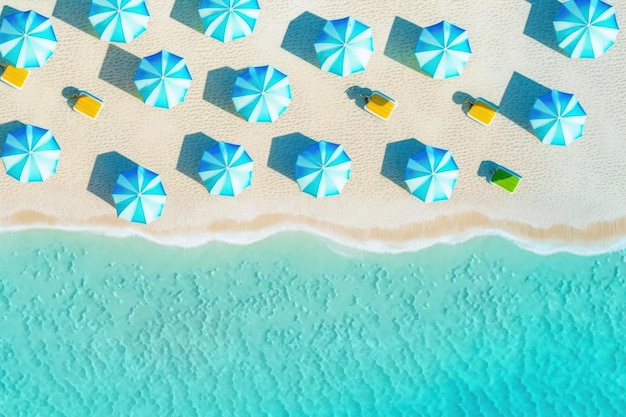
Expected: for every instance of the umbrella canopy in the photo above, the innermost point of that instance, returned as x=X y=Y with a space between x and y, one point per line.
x=585 y=28
x=226 y=169
x=323 y=169
x=27 y=39
x=557 y=118
x=443 y=50
x=227 y=20
x=344 y=46
x=163 y=79
x=261 y=94
x=431 y=174
x=119 y=20
x=30 y=154
x=139 y=195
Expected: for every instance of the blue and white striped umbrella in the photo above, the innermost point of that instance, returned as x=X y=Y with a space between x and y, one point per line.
x=323 y=169
x=557 y=118
x=431 y=174
x=119 y=20
x=344 y=46
x=261 y=94
x=226 y=169
x=443 y=50
x=585 y=28
x=227 y=20
x=163 y=79
x=30 y=154
x=139 y=195
x=27 y=39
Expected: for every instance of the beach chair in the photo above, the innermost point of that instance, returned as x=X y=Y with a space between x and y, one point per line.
x=481 y=111
x=505 y=178
x=87 y=104
x=379 y=104
x=13 y=76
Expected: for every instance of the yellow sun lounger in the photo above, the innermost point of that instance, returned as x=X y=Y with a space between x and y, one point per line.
x=87 y=104
x=482 y=111
x=13 y=76
x=379 y=105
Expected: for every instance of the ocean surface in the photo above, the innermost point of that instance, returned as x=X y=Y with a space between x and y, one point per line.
x=296 y=326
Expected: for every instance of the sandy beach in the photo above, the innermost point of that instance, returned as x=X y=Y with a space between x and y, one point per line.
x=570 y=198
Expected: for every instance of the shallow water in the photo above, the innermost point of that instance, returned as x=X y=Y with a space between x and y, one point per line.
x=96 y=326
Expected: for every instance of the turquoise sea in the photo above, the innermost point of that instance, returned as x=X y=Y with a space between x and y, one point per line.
x=99 y=326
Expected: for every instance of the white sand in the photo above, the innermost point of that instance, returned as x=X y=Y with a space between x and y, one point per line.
x=571 y=197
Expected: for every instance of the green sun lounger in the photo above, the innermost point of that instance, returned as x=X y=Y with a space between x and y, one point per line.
x=505 y=178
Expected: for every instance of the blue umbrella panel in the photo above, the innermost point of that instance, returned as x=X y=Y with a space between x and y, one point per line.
x=139 y=195
x=226 y=169
x=119 y=20
x=227 y=20
x=27 y=39
x=261 y=94
x=323 y=169
x=163 y=79
x=30 y=154
x=431 y=174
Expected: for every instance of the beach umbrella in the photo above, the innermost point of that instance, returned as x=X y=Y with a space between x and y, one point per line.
x=557 y=118
x=226 y=169
x=431 y=174
x=323 y=169
x=27 y=39
x=261 y=94
x=344 y=46
x=119 y=20
x=227 y=20
x=443 y=50
x=30 y=154
x=139 y=195
x=585 y=28
x=163 y=79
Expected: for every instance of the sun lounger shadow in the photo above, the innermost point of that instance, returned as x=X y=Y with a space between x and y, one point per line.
x=301 y=35
x=397 y=155
x=186 y=12
x=106 y=169
x=359 y=95
x=191 y=152
x=519 y=98
x=539 y=23
x=219 y=87
x=402 y=41
x=68 y=94
x=75 y=13
x=462 y=98
x=119 y=68
x=6 y=128
x=284 y=153
x=486 y=169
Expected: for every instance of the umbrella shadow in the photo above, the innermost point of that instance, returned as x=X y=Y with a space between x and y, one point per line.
x=106 y=169
x=186 y=12
x=75 y=13
x=402 y=42
x=486 y=169
x=539 y=23
x=284 y=153
x=519 y=99
x=462 y=98
x=356 y=93
x=219 y=88
x=119 y=68
x=397 y=155
x=301 y=35
x=191 y=153
x=6 y=128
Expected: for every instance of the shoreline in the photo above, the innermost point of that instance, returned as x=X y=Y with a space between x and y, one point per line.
x=596 y=238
